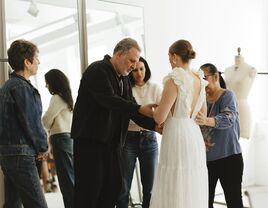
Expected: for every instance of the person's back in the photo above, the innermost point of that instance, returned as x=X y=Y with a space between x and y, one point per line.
x=182 y=158
x=188 y=101
x=7 y=122
x=196 y=99
x=182 y=171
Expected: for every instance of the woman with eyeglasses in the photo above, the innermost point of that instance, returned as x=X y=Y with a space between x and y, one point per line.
x=220 y=128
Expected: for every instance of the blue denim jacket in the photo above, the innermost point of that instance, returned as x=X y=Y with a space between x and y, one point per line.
x=21 y=129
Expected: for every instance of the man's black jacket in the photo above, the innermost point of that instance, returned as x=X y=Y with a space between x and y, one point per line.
x=101 y=114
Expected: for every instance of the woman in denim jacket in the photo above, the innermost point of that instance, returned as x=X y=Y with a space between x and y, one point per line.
x=220 y=128
x=57 y=120
x=22 y=137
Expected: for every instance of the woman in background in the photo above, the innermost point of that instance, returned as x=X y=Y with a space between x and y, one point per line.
x=57 y=120
x=140 y=143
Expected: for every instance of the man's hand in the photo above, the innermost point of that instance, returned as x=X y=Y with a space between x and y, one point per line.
x=159 y=128
x=147 y=110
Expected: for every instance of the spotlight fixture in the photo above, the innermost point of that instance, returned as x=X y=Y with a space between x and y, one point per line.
x=33 y=10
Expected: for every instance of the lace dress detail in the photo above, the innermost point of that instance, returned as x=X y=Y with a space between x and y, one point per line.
x=181 y=180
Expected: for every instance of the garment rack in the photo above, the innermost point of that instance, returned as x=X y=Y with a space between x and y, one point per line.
x=262 y=73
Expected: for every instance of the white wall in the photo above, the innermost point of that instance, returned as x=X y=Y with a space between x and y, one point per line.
x=215 y=29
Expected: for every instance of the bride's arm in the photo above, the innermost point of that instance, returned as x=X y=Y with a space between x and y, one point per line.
x=168 y=98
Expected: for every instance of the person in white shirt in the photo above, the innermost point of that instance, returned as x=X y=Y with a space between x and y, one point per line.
x=140 y=143
x=57 y=120
x=239 y=78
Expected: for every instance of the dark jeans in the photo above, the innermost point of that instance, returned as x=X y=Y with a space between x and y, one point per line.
x=97 y=174
x=229 y=171
x=142 y=145
x=62 y=147
x=22 y=183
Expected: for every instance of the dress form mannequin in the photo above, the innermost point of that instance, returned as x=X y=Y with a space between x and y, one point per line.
x=239 y=78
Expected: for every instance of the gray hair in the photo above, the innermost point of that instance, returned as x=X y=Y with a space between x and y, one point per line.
x=126 y=44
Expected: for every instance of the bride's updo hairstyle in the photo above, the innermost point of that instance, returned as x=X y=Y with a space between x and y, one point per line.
x=184 y=49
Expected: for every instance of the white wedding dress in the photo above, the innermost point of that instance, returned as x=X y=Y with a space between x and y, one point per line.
x=181 y=180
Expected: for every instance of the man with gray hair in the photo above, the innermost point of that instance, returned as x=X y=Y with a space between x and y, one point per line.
x=104 y=106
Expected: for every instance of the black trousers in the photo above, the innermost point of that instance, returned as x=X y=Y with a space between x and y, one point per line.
x=98 y=179
x=229 y=171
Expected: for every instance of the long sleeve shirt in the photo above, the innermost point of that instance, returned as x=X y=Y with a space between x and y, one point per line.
x=58 y=117
x=149 y=93
x=224 y=137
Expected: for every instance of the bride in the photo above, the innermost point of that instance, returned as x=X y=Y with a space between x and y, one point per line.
x=181 y=180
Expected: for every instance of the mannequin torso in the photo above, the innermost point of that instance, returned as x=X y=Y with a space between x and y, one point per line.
x=239 y=78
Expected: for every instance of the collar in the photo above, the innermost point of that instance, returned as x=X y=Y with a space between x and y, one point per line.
x=106 y=60
x=15 y=75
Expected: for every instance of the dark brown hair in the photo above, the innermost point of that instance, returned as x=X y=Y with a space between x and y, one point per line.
x=19 y=51
x=147 y=72
x=58 y=84
x=184 y=49
x=212 y=69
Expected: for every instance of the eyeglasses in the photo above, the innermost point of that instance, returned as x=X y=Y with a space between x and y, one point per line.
x=206 y=76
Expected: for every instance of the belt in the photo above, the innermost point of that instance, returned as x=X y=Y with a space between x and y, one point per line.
x=140 y=131
x=61 y=135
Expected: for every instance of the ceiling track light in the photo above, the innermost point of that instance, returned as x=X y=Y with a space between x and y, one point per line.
x=33 y=10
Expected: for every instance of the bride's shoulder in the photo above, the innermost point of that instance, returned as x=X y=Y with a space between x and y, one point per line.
x=178 y=75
